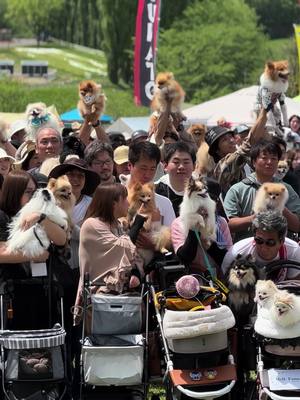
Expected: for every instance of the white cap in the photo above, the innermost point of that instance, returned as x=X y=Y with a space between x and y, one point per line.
x=3 y=154
x=16 y=126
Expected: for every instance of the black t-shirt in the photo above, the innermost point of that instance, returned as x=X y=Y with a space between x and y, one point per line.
x=165 y=190
x=9 y=271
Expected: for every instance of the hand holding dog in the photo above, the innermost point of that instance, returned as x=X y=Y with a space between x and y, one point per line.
x=30 y=220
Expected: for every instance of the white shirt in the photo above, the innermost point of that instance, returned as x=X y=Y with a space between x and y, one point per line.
x=246 y=247
x=79 y=209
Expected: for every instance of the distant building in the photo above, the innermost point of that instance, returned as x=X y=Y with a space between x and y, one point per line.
x=7 y=66
x=34 y=68
x=5 y=34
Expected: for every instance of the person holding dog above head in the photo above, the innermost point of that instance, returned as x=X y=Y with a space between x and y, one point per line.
x=229 y=159
x=268 y=243
x=239 y=199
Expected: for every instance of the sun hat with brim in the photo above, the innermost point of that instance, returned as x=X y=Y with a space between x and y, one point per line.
x=23 y=152
x=92 y=179
x=213 y=135
x=17 y=126
x=121 y=155
x=3 y=154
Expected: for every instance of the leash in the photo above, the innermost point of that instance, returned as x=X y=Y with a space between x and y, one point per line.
x=208 y=265
x=211 y=269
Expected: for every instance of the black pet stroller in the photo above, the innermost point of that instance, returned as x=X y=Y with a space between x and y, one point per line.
x=114 y=348
x=33 y=362
x=194 y=336
x=278 y=348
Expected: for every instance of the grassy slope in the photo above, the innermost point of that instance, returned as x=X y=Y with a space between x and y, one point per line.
x=72 y=66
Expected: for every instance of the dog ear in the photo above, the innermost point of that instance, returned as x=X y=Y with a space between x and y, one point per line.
x=151 y=185
x=270 y=65
x=137 y=186
x=239 y=256
x=51 y=183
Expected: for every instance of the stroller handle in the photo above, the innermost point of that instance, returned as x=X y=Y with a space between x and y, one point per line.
x=278 y=264
x=211 y=394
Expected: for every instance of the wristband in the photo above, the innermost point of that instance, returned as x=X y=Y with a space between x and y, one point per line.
x=42 y=217
x=96 y=124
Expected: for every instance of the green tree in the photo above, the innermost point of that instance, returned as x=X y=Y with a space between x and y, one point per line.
x=213 y=49
x=36 y=15
x=277 y=16
x=171 y=10
x=117 y=22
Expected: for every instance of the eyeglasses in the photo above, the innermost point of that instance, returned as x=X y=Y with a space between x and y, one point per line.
x=267 y=242
x=102 y=163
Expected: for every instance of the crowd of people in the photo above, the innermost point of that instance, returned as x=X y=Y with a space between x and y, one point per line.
x=103 y=168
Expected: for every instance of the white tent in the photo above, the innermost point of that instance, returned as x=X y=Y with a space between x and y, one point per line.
x=236 y=108
x=127 y=125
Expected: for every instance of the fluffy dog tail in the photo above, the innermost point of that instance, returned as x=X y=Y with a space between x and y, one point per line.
x=162 y=239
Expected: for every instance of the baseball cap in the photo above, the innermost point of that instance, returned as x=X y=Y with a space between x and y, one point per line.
x=139 y=134
x=241 y=129
x=121 y=154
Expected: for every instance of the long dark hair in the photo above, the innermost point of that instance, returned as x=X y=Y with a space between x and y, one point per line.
x=102 y=204
x=13 y=188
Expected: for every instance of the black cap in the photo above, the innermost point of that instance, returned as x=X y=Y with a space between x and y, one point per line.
x=214 y=134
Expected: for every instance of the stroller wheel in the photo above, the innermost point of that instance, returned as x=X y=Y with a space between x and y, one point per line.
x=155 y=397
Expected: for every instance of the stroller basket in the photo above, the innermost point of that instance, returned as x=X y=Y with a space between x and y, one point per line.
x=116 y=314
x=34 y=355
x=113 y=360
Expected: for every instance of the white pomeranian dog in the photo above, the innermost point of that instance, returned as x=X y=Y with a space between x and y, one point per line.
x=34 y=241
x=285 y=309
x=38 y=117
x=265 y=292
x=198 y=210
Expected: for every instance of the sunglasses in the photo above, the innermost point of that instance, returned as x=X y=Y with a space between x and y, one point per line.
x=267 y=242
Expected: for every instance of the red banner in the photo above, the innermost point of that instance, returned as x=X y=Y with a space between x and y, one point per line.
x=146 y=30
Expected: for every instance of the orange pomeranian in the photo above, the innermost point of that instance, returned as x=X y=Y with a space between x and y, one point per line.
x=92 y=99
x=197 y=132
x=167 y=88
x=144 y=195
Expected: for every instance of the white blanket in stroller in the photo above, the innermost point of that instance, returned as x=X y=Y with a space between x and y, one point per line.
x=268 y=328
x=189 y=324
